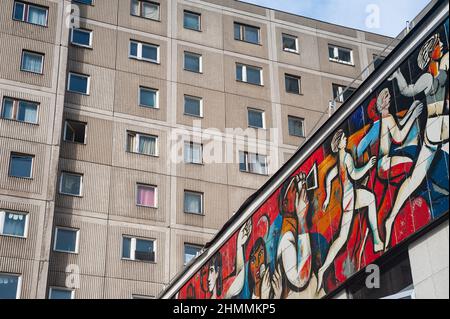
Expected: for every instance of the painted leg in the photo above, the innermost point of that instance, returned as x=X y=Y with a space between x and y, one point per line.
x=364 y=198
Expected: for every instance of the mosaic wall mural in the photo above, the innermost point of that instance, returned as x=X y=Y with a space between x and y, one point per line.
x=382 y=176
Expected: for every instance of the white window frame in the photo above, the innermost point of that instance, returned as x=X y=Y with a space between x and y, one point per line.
x=23 y=155
x=336 y=55
x=91 y=34
x=200 y=61
x=283 y=35
x=2 y=223
x=16 y=106
x=88 y=77
x=42 y=56
x=133 y=249
x=65 y=131
x=193 y=98
x=139 y=56
x=263 y=116
x=155 y=188
x=77 y=240
x=242 y=27
x=247 y=163
x=296 y=118
x=72 y=291
x=140 y=10
x=191 y=146
x=19 y=282
x=244 y=74
x=202 y=204
x=340 y=91
x=198 y=15
x=299 y=81
x=194 y=246
x=156 y=91
x=81 y=184
x=137 y=136
x=27 y=13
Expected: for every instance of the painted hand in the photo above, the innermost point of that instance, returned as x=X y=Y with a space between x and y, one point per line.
x=244 y=233
x=418 y=109
x=277 y=283
x=302 y=203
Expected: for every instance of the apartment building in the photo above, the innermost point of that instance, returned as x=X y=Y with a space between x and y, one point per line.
x=109 y=111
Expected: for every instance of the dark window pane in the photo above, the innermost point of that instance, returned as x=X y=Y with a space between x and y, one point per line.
x=60 y=294
x=251 y=34
x=7 y=111
x=242 y=161
x=289 y=43
x=192 y=62
x=66 y=240
x=19 y=9
x=133 y=49
x=239 y=69
x=14 y=224
x=192 y=106
x=27 y=112
x=8 y=286
x=192 y=203
x=255 y=119
x=191 y=21
x=190 y=252
x=296 y=127
x=149 y=52
x=75 y=132
x=71 y=184
x=147 y=98
x=344 y=55
x=253 y=75
x=78 y=84
x=237 y=31
x=126 y=248
x=20 y=166
x=81 y=37
x=292 y=85
x=144 y=250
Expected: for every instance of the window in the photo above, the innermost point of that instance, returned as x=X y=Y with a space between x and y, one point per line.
x=13 y=224
x=253 y=163
x=256 y=118
x=144 y=51
x=247 y=33
x=377 y=60
x=190 y=252
x=147 y=196
x=61 y=293
x=30 y=13
x=192 y=62
x=148 y=97
x=81 y=37
x=66 y=240
x=10 y=286
x=290 y=43
x=192 y=20
x=75 y=132
x=145 y=9
x=193 y=203
x=32 y=62
x=79 y=83
x=193 y=153
x=142 y=144
x=292 y=83
x=21 y=165
x=340 y=55
x=339 y=93
x=20 y=110
x=249 y=74
x=193 y=106
x=71 y=184
x=138 y=249
x=296 y=126
x=88 y=2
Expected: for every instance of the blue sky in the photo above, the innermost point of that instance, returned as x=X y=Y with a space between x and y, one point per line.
x=393 y=14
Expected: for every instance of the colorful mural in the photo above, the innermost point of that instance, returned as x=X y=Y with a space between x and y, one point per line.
x=382 y=176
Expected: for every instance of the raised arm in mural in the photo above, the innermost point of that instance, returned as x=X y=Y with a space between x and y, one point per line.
x=393 y=132
x=294 y=248
x=433 y=83
x=351 y=199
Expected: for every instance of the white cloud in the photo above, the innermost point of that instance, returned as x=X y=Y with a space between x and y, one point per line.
x=352 y=13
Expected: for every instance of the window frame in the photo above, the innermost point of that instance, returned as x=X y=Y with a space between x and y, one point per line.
x=200 y=105
x=148 y=89
x=297 y=49
x=244 y=74
x=247 y=164
x=200 y=62
x=88 y=85
x=340 y=92
x=42 y=55
x=73 y=174
x=191 y=145
x=65 y=131
x=26 y=13
x=296 y=118
x=192 y=13
x=336 y=59
x=86 y=4
x=192 y=246
x=202 y=204
x=242 y=37
x=156 y=193
x=139 y=56
x=77 y=240
x=140 y=10
x=293 y=77
x=51 y=288
x=17 y=154
x=3 y=213
x=19 y=282
x=91 y=35
x=138 y=135
x=263 y=117
x=134 y=239
x=16 y=108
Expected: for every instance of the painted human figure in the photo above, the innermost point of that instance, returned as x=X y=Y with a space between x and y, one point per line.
x=215 y=282
x=294 y=247
x=433 y=83
x=352 y=198
x=390 y=165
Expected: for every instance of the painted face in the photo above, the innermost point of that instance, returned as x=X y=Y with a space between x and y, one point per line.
x=289 y=199
x=257 y=260
x=437 y=52
x=386 y=101
x=212 y=278
x=343 y=142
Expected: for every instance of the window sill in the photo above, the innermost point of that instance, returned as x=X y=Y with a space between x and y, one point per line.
x=193 y=115
x=75 y=143
x=79 y=93
x=258 y=174
x=291 y=51
x=35 y=24
x=195 y=214
x=22 y=178
x=148 y=155
x=17 y=121
x=192 y=29
x=254 y=84
x=150 y=19
x=139 y=261
x=70 y=195
x=31 y=72
x=342 y=62
x=244 y=41
x=81 y=46
x=195 y=164
x=258 y=128
x=147 y=207
x=191 y=71
x=65 y=252
x=295 y=93
x=13 y=236
x=144 y=60
x=149 y=107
